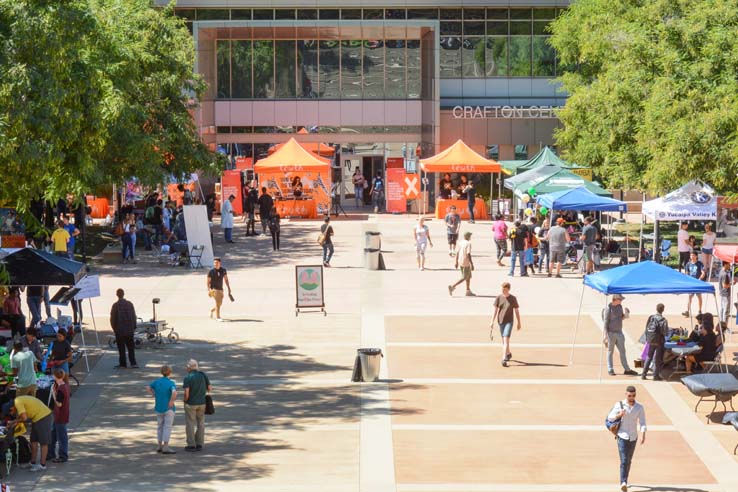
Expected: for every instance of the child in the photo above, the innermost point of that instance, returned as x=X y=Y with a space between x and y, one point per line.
x=60 y=396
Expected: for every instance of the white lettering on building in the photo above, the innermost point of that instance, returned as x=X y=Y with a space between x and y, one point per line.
x=487 y=112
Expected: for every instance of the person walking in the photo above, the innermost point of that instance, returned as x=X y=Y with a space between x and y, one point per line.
x=226 y=218
x=557 y=238
x=216 y=277
x=453 y=224
x=60 y=395
x=265 y=209
x=359 y=185
x=123 y=321
x=23 y=365
x=377 y=192
x=326 y=234
x=506 y=311
x=543 y=252
x=657 y=327
x=275 y=227
x=164 y=392
x=531 y=246
x=695 y=269
x=589 y=237
x=613 y=334
x=630 y=413
x=499 y=230
x=466 y=265
x=196 y=387
x=422 y=238
x=518 y=243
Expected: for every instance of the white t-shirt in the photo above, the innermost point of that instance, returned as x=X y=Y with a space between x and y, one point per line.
x=708 y=240
x=465 y=253
x=682 y=238
x=421 y=234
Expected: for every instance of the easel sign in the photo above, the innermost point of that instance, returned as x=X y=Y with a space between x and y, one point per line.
x=89 y=287
x=309 y=288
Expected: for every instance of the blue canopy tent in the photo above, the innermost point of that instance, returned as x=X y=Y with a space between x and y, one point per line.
x=646 y=277
x=580 y=199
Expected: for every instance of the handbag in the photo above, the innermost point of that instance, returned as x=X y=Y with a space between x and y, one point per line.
x=209 y=407
x=614 y=425
x=321 y=239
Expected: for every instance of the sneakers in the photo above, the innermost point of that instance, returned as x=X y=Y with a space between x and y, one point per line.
x=451 y=290
x=37 y=468
x=120 y=367
x=685 y=314
x=219 y=320
x=508 y=357
x=623 y=487
x=504 y=363
x=59 y=460
x=558 y=275
x=611 y=372
x=190 y=449
x=134 y=366
x=198 y=448
x=630 y=372
x=470 y=294
x=168 y=450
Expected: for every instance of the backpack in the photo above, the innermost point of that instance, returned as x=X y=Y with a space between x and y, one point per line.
x=614 y=425
x=23 y=452
x=655 y=328
x=533 y=241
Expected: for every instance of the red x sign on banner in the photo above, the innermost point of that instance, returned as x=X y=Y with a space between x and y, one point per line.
x=411 y=185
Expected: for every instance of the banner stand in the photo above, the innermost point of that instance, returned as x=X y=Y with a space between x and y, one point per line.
x=309 y=293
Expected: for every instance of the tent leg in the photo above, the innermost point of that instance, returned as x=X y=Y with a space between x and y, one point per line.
x=602 y=345
x=640 y=238
x=720 y=334
x=576 y=326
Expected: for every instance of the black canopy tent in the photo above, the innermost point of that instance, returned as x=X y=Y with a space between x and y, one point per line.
x=29 y=266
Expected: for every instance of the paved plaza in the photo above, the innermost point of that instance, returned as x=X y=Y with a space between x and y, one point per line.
x=445 y=417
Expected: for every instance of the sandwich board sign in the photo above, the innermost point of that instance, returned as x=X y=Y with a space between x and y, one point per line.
x=309 y=288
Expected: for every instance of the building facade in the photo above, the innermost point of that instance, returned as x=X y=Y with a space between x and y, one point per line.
x=378 y=80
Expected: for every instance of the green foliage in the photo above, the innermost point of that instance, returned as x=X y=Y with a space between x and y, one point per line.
x=94 y=92
x=654 y=101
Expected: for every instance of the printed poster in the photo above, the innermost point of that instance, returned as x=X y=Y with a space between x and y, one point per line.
x=316 y=185
x=231 y=185
x=396 y=201
x=309 y=286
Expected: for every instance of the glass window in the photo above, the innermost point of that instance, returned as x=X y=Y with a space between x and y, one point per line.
x=241 y=69
x=473 y=14
x=261 y=150
x=521 y=152
x=520 y=56
x=263 y=56
x=544 y=57
x=422 y=13
x=224 y=69
x=450 y=28
x=373 y=14
x=240 y=14
x=223 y=129
x=497 y=28
x=188 y=14
x=450 y=57
x=329 y=14
x=474 y=28
x=394 y=13
x=414 y=75
x=520 y=28
x=544 y=13
x=496 y=56
x=330 y=87
x=472 y=57
x=307 y=61
x=493 y=152
x=242 y=129
x=284 y=14
x=351 y=69
x=284 y=58
x=263 y=14
x=373 y=67
x=213 y=14
x=500 y=14
x=541 y=28
x=520 y=14
x=451 y=14
x=351 y=14
x=395 y=69
x=307 y=14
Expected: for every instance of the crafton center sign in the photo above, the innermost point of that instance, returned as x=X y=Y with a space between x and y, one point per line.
x=486 y=112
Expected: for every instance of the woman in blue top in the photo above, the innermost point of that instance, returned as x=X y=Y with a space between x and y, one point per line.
x=165 y=393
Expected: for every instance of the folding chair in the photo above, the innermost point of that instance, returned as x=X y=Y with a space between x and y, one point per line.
x=716 y=362
x=665 y=247
x=196 y=254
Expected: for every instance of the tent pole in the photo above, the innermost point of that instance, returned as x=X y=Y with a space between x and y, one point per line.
x=730 y=299
x=720 y=333
x=602 y=345
x=576 y=326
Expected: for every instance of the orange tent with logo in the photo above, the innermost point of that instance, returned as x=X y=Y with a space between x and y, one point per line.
x=316 y=148
x=292 y=157
x=459 y=158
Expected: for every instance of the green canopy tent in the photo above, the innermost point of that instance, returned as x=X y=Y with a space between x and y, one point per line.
x=545 y=157
x=549 y=179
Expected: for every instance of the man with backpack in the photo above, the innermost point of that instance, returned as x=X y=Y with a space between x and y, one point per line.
x=622 y=422
x=656 y=330
x=518 y=244
x=377 y=192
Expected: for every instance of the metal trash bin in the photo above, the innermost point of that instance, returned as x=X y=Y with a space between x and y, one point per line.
x=371 y=259
x=373 y=239
x=371 y=360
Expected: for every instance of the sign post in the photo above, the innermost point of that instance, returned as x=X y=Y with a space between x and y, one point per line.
x=309 y=288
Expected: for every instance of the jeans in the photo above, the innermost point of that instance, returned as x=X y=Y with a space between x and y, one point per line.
x=59 y=435
x=228 y=232
x=515 y=256
x=34 y=306
x=195 y=424
x=127 y=247
x=158 y=231
x=655 y=354
x=133 y=245
x=470 y=206
x=543 y=256
x=327 y=252
x=724 y=308
x=47 y=302
x=625 y=449
x=501 y=248
x=147 y=240
x=616 y=339
x=164 y=423
x=359 y=195
x=378 y=199
x=125 y=342
x=275 y=240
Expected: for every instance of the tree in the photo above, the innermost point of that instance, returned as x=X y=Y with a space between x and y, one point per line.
x=94 y=92
x=654 y=97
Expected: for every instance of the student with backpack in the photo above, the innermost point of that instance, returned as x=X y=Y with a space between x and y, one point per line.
x=623 y=422
x=656 y=330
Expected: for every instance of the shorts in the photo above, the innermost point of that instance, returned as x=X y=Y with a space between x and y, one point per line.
x=589 y=252
x=420 y=247
x=558 y=257
x=41 y=430
x=217 y=295
x=452 y=238
x=707 y=251
x=466 y=272
x=506 y=329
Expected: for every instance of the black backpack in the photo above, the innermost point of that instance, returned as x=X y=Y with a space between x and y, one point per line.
x=655 y=328
x=23 y=453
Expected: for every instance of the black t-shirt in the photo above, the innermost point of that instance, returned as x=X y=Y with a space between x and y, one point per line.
x=156 y=219
x=265 y=205
x=35 y=291
x=216 y=278
x=327 y=230
x=521 y=234
x=60 y=350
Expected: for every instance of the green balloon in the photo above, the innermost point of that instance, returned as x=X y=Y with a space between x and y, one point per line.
x=532 y=191
x=544 y=211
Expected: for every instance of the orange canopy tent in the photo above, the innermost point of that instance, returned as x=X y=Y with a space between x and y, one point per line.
x=292 y=157
x=316 y=148
x=459 y=158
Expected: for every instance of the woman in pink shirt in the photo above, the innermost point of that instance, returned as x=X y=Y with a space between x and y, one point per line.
x=500 y=234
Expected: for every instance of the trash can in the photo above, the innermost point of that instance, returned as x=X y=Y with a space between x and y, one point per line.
x=373 y=239
x=371 y=258
x=371 y=359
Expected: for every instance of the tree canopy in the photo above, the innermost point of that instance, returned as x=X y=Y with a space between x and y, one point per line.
x=654 y=96
x=94 y=92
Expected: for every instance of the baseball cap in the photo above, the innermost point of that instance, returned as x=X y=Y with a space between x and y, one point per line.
x=617 y=296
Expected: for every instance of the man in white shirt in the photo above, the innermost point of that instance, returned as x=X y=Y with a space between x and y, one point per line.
x=629 y=412
x=465 y=264
x=683 y=245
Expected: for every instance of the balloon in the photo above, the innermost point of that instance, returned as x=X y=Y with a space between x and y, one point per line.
x=528 y=212
x=525 y=198
x=532 y=191
x=544 y=211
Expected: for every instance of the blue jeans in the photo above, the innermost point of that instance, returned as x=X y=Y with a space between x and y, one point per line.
x=543 y=256
x=470 y=206
x=506 y=329
x=127 y=247
x=625 y=449
x=34 y=305
x=614 y=340
x=515 y=255
x=47 y=301
x=59 y=435
x=327 y=252
x=228 y=232
x=147 y=239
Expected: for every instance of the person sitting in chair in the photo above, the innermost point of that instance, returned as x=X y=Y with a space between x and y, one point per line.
x=705 y=337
